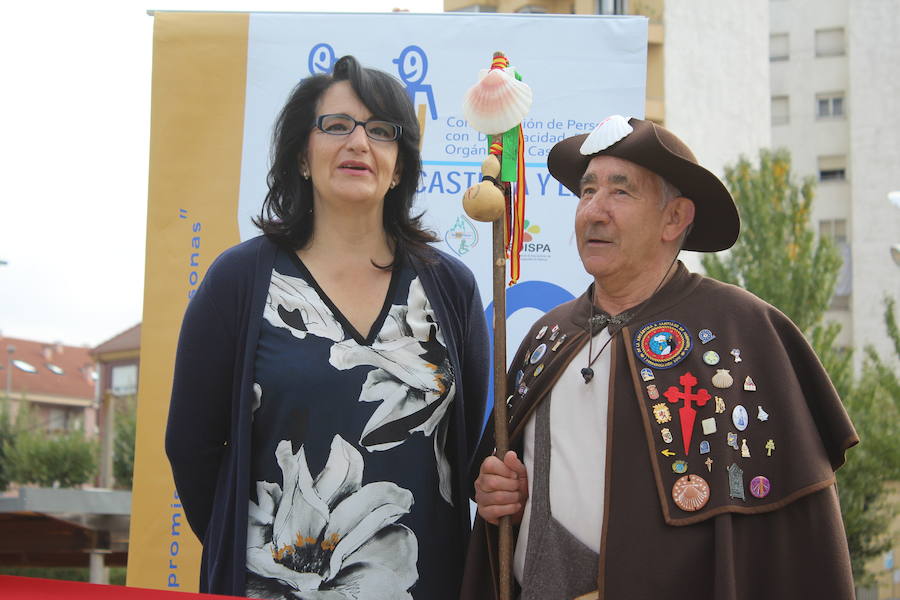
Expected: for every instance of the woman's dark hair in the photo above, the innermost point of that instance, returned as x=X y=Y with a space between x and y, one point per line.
x=286 y=216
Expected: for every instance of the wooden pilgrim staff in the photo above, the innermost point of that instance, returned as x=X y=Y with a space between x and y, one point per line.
x=495 y=106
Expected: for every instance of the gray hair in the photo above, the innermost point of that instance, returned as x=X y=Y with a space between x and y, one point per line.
x=668 y=191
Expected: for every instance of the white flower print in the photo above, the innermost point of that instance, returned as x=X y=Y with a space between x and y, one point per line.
x=257 y=399
x=331 y=538
x=413 y=380
x=294 y=305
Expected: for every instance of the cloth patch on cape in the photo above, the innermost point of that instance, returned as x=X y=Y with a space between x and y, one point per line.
x=662 y=344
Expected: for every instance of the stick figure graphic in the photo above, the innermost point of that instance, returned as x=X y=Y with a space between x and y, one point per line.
x=321 y=59
x=412 y=66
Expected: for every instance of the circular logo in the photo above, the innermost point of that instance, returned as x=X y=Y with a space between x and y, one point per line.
x=662 y=344
x=711 y=357
x=760 y=486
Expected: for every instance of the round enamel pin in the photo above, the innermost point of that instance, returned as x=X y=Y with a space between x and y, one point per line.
x=690 y=493
x=711 y=357
x=760 y=486
x=662 y=344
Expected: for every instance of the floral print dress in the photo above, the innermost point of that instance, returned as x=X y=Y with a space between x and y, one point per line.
x=352 y=493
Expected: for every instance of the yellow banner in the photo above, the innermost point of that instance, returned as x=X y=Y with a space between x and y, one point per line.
x=199 y=80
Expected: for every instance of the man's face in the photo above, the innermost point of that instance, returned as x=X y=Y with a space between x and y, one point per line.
x=619 y=221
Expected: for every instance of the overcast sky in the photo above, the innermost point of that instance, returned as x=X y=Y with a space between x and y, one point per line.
x=75 y=125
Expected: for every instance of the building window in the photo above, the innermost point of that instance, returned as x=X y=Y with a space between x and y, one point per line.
x=612 y=7
x=532 y=9
x=829 y=106
x=836 y=231
x=832 y=168
x=24 y=366
x=477 y=8
x=124 y=380
x=781 y=110
x=779 y=47
x=830 y=42
x=57 y=419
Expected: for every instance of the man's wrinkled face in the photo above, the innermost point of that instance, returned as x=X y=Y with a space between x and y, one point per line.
x=620 y=219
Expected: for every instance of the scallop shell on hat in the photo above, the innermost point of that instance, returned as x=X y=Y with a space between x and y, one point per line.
x=497 y=103
x=608 y=132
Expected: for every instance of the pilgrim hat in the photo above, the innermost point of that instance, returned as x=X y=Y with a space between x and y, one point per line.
x=716 y=221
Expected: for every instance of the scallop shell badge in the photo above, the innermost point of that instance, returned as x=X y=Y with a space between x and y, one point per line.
x=722 y=379
x=690 y=493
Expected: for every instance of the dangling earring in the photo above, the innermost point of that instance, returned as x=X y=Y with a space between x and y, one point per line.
x=305 y=175
x=394 y=184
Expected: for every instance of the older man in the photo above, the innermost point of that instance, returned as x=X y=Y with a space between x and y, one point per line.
x=678 y=435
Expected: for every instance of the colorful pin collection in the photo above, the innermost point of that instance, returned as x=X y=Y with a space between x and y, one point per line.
x=536 y=359
x=704 y=396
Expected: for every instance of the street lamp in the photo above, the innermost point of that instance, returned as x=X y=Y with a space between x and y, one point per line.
x=894 y=198
x=10 y=349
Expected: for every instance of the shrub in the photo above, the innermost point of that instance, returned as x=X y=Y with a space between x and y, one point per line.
x=65 y=460
x=123 y=453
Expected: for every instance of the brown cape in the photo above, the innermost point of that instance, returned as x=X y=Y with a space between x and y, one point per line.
x=787 y=544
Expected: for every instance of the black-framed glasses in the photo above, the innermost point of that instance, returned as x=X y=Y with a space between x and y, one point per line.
x=340 y=124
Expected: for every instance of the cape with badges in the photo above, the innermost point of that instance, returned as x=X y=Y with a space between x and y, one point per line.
x=718 y=493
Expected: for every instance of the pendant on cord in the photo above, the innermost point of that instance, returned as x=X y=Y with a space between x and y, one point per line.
x=588 y=374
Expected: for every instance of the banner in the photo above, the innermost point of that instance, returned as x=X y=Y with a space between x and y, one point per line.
x=29 y=588
x=219 y=81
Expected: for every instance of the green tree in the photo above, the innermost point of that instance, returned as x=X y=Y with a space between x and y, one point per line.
x=777 y=256
x=66 y=460
x=874 y=406
x=123 y=447
x=7 y=434
x=779 y=259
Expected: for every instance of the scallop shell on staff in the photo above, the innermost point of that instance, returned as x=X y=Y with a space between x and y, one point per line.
x=497 y=103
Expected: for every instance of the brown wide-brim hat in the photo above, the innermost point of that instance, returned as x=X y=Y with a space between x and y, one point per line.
x=716 y=221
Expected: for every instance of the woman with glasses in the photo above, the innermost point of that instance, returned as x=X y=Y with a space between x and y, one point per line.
x=331 y=373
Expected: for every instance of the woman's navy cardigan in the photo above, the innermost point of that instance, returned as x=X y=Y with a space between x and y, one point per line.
x=208 y=433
